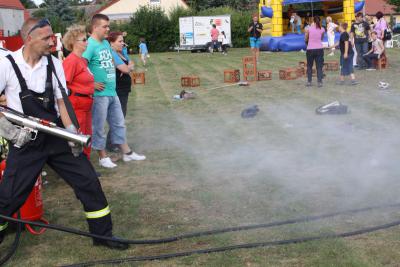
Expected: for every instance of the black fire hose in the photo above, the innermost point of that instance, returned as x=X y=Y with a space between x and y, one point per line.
x=235 y=247
x=218 y=231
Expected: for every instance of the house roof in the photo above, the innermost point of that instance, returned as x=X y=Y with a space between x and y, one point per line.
x=116 y=1
x=11 y=4
x=373 y=6
x=106 y=6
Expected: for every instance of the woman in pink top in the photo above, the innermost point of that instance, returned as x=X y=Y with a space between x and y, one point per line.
x=315 y=51
x=380 y=26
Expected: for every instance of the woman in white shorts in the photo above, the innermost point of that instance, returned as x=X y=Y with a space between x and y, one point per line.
x=331 y=27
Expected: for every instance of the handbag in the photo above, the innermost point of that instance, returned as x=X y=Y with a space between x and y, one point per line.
x=387 y=35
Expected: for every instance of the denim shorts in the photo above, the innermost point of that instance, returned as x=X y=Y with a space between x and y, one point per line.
x=346 y=65
x=255 y=42
x=107 y=108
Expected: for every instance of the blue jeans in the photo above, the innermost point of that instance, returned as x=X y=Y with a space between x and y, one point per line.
x=107 y=108
x=346 y=65
x=362 y=49
x=368 y=58
x=298 y=27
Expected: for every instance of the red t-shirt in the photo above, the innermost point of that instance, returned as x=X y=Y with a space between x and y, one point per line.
x=214 y=34
x=78 y=76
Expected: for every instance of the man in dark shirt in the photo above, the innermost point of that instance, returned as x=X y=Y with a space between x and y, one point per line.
x=255 y=29
x=360 y=31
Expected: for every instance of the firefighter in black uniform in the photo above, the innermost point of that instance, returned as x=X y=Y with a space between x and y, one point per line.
x=28 y=79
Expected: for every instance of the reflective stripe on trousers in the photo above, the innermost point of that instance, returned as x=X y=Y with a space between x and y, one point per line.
x=98 y=214
x=3 y=226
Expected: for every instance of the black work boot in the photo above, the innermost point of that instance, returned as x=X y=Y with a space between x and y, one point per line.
x=1 y=236
x=111 y=244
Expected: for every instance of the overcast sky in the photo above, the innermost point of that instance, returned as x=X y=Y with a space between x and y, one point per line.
x=38 y=2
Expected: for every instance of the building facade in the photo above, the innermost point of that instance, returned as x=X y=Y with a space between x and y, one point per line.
x=12 y=16
x=123 y=10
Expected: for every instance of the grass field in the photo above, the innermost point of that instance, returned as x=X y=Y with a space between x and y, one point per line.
x=208 y=168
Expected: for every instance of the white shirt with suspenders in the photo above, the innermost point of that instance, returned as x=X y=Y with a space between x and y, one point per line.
x=35 y=78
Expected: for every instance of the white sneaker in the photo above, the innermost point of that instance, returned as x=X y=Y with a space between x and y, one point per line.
x=133 y=156
x=107 y=163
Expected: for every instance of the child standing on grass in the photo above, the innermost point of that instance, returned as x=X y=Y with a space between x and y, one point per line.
x=346 y=56
x=143 y=51
x=224 y=43
x=331 y=35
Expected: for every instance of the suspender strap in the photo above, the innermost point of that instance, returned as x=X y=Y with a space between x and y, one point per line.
x=68 y=104
x=49 y=79
x=20 y=78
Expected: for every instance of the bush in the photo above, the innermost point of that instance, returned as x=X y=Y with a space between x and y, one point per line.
x=152 y=24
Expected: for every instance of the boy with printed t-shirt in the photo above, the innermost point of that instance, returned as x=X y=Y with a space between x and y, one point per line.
x=360 y=31
x=106 y=105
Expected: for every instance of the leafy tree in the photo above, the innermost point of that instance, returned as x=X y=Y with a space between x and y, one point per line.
x=28 y=4
x=80 y=16
x=395 y=3
x=200 y=5
x=59 y=13
x=80 y=2
x=153 y=24
x=39 y=13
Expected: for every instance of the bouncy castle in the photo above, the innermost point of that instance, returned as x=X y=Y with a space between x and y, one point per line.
x=277 y=34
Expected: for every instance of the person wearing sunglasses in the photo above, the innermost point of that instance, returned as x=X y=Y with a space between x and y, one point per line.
x=34 y=82
x=80 y=80
x=106 y=104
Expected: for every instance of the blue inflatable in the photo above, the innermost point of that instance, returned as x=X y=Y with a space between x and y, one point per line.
x=295 y=44
x=359 y=6
x=267 y=12
x=289 y=42
x=265 y=43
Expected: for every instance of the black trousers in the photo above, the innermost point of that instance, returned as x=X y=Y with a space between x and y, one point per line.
x=225 y=48
x=316 y=55
x=26 y=163
x=124 y=103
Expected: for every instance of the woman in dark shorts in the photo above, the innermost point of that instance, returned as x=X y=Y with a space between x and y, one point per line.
x=346 y=56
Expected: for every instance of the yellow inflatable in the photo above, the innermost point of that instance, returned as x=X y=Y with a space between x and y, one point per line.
x=275 y=25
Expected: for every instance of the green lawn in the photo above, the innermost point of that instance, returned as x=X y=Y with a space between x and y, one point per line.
x=208 y=168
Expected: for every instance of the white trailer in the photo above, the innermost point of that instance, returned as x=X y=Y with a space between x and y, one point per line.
x=194 y=32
